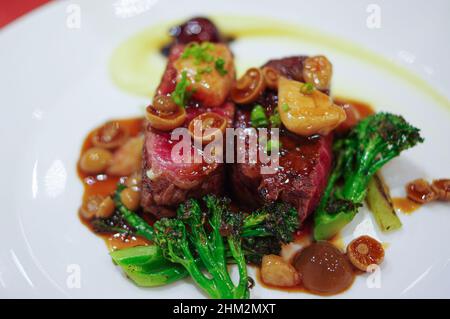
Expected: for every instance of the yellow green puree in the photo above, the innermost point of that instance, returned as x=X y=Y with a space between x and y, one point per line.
x=136 y=65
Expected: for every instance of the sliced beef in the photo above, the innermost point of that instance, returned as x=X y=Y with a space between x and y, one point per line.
x=305 y=162
x=165 y=182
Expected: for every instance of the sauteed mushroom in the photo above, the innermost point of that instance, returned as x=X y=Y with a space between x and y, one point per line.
x=95 y=160
x=130 y=198
x=208 y=123
x=166 y=121
x=165 y=104
x=365 y=251
x=97 y=206
x=110 y=135
x=271 y=77
x=248 y=88
x=318 y=71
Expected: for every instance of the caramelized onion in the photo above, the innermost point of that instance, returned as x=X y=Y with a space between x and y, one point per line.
x=166 y=121
x=277 y=272
x=127 y=159
x=210 y=121
x=110 y=135
x=249 y=87
x=307 y=113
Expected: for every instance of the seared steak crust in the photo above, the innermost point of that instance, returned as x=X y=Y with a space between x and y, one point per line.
x=165 y=182
x=305 y=162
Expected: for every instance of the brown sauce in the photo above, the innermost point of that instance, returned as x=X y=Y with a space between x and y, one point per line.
x=104 y=185
x=363 y=109
x=405 y=205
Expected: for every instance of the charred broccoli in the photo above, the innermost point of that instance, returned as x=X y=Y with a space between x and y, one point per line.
x=372 y=143
x=205 y=239
x=186 y=236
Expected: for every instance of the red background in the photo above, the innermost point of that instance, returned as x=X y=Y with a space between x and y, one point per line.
x=12 y=9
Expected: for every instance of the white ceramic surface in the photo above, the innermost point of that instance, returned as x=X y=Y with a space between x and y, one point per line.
x=55 y=86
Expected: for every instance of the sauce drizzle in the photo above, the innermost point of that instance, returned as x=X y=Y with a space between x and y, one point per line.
x=405 y=205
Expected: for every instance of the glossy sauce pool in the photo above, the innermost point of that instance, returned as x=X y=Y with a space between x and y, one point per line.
x=105 y=185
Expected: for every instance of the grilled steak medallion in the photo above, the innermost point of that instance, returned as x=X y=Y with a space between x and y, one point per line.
x=305 y=162
x=165 y=182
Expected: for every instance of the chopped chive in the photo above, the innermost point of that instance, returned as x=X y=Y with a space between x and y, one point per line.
x=181 y=94
x=258 y=117
x=199 y=52
x=285 y=107
x=273 y=146
x=220 y=66
x=275 y=120
x=307 y=88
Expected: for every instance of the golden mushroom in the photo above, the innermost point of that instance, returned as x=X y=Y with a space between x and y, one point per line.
x=249 y=87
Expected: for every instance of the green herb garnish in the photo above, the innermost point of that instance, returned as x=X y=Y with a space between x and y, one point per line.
x=199 y=52
x=207 y=69
x=275 y=120
x=285 y=107
x=307 y=88
x=258 y=117
x=220 y=66
x=181 y=94
x=273 y=146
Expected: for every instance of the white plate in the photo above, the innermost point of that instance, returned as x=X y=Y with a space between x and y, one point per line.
x=56 y=85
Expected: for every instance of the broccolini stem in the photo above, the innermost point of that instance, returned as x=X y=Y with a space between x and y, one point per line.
x=241 y=291
x=191 y=266
x=134 y=220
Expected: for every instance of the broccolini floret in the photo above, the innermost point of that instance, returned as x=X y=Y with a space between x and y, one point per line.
x=370 y=144
x=179 y=246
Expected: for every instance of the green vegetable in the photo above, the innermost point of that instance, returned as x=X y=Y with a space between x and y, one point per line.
x=103 y=226
x=260 y=233
x=279 y=220
x=372 y=143
x=146 y=266
x=175 y=237
x=258 y=117
x=380 y=204
x=142 y=228
x=307 y=88
x=199 y=52
x=181 y=94
x=275 y=120
x=273 y=146
x=220 y=66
